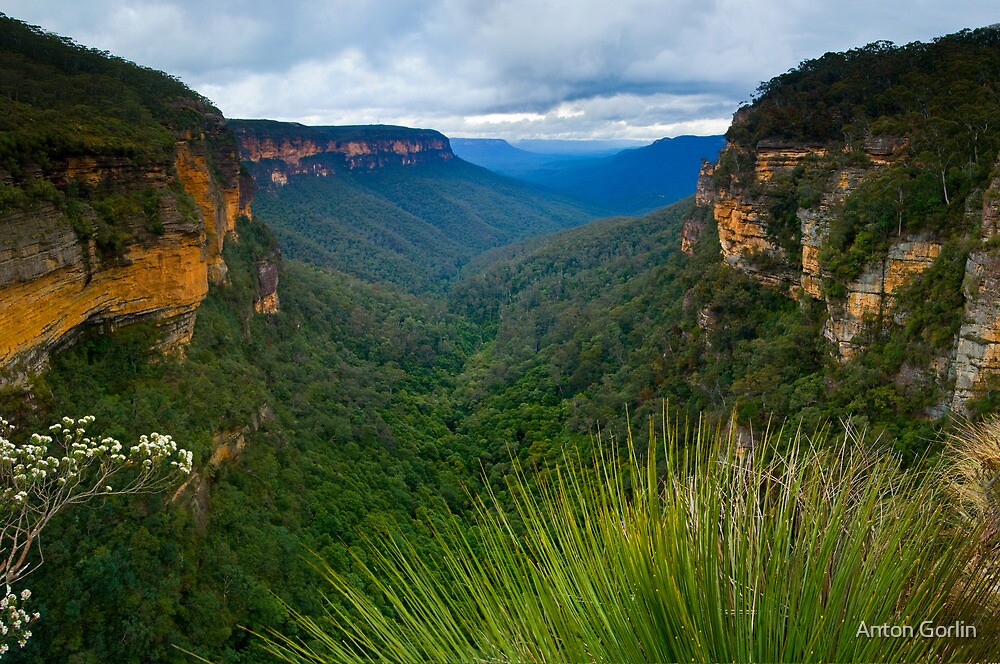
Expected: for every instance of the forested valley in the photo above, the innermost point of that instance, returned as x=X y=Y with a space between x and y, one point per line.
x=414 y=379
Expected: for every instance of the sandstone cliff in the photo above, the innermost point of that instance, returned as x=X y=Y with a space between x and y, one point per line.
x=275 y=151
x=117 y=240
x=745 y=192
x=704 y=197
x=977 y=352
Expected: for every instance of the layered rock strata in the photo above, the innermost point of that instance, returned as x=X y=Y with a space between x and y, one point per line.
x=276 y=151
x=57 y=277
x=742 y=216
x=266 y=301
x=871 y=295
x=740 y=208
x=977 y=353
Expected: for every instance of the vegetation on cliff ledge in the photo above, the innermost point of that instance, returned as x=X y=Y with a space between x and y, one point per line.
x=927 y=108
x=58 y=98
x=359 y=409
x=95 y=136
x=882 y=89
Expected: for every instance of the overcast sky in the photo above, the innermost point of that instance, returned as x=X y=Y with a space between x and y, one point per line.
x=639 y=69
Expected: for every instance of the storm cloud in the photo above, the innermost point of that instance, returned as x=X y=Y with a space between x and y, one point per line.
x=639 y=69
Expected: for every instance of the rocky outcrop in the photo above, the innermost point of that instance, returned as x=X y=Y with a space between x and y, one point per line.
x=742 y=232
x=219 y=206
x=977 y=353
x=871 y=295
x=742 y=214
x=276 y=151
x=60 y=273
x=704 y=192
x=691 y=233
x=743 y=220
x=51 y=284
x=266 y=301
x=814 y=224
x=704 y=196
x=883 y=149
x=781 y=157
x=228 y=448
x=740 y=205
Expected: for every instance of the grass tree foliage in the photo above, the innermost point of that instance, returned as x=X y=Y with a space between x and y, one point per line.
x=692 y=547
x=356 y=381
x=383 y=406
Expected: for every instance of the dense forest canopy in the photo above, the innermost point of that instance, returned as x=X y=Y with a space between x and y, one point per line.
x=413 y=227
x=364 y=406
x=840 y=95
x=58 y=98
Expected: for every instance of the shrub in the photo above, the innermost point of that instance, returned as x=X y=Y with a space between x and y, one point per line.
x=47 y=473
x=704 y=550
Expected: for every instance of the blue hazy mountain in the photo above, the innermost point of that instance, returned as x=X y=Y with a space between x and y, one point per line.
x=500 y=156
x=630 y=181
x=578 y=148
x=529 y=155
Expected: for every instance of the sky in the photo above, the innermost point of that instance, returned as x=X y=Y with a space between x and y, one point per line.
x=514 y=69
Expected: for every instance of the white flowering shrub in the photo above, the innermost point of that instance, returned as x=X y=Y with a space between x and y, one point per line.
x=14 y=619
x=48 y=472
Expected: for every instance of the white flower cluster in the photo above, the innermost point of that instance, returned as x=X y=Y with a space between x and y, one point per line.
x=156 y=447
x=14 y=619
x=47 y=472
x=31 y=463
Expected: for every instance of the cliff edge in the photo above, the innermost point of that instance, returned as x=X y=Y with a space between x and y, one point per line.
x=118 y=186
x=868 y=181
x=274 y=151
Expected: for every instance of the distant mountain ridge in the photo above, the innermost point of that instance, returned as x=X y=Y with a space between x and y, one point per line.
x=632 y=181
x=390 y=204
x=500 y=156
x=275 y=150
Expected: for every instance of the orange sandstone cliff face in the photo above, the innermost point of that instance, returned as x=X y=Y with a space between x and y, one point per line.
x=743 y=217
x=276 y=151
x=219 y=205
x=294 y=150
x=55 y=281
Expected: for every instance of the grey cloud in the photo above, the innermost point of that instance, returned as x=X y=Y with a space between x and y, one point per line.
x=630 y=68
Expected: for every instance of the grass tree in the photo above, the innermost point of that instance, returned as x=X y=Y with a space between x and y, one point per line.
x=689 y=547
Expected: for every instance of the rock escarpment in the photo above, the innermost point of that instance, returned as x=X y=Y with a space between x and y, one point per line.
x=266 y=301
x=864 y=183
x=118 y=188
x=977 y=352
x=115 y=240
x=704 y=197
x=787 y=246
x=211 y=175
x=275 y=151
